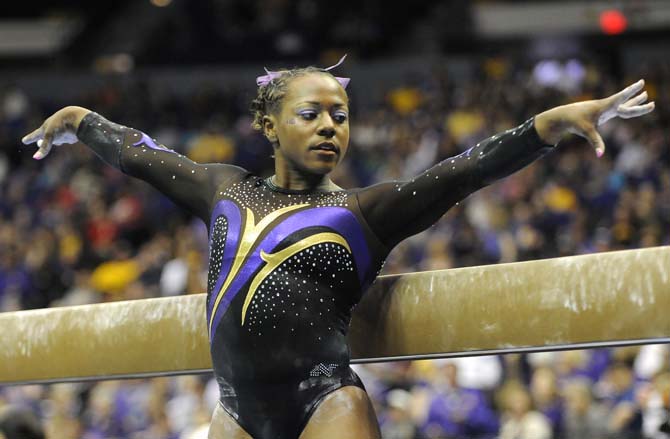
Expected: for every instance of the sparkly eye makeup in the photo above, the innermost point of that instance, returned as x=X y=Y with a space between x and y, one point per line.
x=340 y=116
x=307 y=114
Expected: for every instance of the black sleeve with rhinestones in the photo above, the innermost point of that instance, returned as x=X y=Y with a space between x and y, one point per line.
x=102 y=136
x=398 y=209
x=189 y=184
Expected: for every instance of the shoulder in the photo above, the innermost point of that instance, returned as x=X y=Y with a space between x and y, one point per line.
x=224 y=172
x=227 y=168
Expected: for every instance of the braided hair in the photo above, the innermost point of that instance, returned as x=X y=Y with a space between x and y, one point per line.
x=269 y=97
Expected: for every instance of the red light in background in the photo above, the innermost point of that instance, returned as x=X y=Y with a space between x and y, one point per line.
x=613 y=22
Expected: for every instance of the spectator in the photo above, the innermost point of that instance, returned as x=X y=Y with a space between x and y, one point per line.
x=544 y=391
x=398 y=422
x=618 y=389
x=583 y=418
x=19 y=423
x=520 y=421
x=458 y=412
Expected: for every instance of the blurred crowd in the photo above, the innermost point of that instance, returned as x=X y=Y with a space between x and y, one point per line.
x=75 y=231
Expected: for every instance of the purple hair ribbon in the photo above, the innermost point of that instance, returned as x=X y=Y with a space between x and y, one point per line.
x=265 y=79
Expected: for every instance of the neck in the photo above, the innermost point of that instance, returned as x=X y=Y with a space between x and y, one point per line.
x=287 y=177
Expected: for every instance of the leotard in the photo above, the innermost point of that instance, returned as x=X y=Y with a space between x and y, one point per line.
x=286 y=267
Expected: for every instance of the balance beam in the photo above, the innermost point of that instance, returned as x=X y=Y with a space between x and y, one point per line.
x=606 y=299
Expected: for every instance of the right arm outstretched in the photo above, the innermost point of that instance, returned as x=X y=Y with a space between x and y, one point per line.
x=189 y=184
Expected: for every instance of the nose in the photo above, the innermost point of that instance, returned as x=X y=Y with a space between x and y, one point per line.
x=327 y=132
x=327 y=128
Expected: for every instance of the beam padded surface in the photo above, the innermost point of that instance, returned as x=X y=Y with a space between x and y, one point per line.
x=622 y=295
x=602 y=297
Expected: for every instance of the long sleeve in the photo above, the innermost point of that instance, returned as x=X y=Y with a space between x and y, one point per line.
x=396 y=210
x=189 y=184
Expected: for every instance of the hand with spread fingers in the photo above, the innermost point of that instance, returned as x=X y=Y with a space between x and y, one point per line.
x=584 y=118
x=58 y=129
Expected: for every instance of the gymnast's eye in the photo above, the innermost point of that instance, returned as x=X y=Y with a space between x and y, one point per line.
x=340 y=116
x=308 y=115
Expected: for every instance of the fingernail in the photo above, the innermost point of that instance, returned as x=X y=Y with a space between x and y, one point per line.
x=599 y=152
x=37 y=156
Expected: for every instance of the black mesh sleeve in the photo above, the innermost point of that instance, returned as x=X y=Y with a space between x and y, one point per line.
x=189 y=184
x=396 y=210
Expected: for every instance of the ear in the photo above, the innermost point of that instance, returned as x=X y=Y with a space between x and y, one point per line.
x=269 y=128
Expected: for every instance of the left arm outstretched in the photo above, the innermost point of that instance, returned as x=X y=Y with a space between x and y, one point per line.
x=398 y=209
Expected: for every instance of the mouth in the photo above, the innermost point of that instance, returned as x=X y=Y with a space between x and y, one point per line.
x=326 y=148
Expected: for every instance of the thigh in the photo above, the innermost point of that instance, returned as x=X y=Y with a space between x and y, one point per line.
x=223 y=426
x=346 y=412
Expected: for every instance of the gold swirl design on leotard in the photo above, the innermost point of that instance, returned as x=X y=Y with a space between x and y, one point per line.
x=275 y=259
x=248 y=237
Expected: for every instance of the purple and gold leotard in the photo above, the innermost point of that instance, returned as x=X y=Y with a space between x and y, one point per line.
x=286 y=267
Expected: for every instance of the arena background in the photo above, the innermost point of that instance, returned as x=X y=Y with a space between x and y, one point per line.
x=429 y=79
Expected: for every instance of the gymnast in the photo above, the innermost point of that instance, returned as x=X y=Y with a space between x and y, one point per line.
x=290 y=255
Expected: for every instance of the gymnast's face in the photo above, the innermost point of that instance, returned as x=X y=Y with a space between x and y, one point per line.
x=312 y=125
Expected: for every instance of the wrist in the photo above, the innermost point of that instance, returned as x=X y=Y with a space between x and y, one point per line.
x=73 y=116
x=551 y=125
